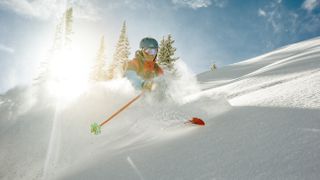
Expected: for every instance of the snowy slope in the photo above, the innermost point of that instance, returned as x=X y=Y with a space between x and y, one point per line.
x=262 y=115
x=288 y=77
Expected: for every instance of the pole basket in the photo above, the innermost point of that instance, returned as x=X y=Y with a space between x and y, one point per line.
x=95 y=129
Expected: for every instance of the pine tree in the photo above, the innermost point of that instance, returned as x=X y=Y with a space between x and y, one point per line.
x=213 y=67
x=58 y=36
x=99 y=72
x=62 y=39
x=68 y=20
x=64 y=31
x=166 y=54
x=166 y=59
x=111 y=71
x=121 y=55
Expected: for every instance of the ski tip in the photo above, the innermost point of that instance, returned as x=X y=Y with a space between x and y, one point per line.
x=197 y=121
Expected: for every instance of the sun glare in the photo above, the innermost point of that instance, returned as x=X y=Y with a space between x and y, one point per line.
x=69 y=73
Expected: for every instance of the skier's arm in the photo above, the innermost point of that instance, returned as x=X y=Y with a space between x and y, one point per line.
x=134 y=79
x=132 y=65
x=151 y=84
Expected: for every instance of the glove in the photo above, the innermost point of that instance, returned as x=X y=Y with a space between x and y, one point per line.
x=148 y=86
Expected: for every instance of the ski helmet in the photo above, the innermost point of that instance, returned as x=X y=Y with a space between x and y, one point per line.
x=149 y=42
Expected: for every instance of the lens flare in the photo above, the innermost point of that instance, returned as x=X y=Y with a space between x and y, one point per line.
x=69 y=74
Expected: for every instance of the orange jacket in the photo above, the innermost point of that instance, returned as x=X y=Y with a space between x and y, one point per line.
x=145 y=69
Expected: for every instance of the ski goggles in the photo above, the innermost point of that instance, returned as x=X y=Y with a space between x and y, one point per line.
x=151 y=51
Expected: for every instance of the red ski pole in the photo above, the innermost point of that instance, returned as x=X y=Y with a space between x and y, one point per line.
x=96 y=128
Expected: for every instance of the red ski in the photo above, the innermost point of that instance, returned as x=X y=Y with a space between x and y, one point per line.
x=196 y=121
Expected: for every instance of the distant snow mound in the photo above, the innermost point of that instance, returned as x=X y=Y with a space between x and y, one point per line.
x=286 y=77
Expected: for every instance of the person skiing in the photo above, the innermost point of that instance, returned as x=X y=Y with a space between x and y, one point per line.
x=142 y=70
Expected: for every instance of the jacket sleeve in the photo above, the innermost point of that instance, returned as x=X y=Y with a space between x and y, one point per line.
x=132 y=65
x=134 y=79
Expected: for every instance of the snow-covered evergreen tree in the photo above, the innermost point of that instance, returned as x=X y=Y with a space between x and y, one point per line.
x=58 y=36
x=166 y=54
x=68 y=20
x=121 y=55
x=111 y=71
x=64 y=31
x=166 y=59
x=62 y=39
x=99 y=71
x=213 y=67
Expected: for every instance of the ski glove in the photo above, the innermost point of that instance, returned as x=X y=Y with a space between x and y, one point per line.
x=148 y=85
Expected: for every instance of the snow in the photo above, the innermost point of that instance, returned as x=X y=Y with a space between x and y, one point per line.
x=262 y=122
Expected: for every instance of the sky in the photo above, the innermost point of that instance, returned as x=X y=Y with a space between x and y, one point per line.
x=205 y=31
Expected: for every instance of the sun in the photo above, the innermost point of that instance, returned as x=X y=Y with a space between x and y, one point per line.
x=69 y=74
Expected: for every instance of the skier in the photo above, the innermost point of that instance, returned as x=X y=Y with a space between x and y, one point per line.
x=142 y=70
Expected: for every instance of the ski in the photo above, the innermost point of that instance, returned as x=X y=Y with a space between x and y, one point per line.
x=196 y=121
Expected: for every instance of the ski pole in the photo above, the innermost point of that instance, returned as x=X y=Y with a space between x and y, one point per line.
x=96 y=128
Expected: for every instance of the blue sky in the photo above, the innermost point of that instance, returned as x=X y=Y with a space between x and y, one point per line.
x=206 y=31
